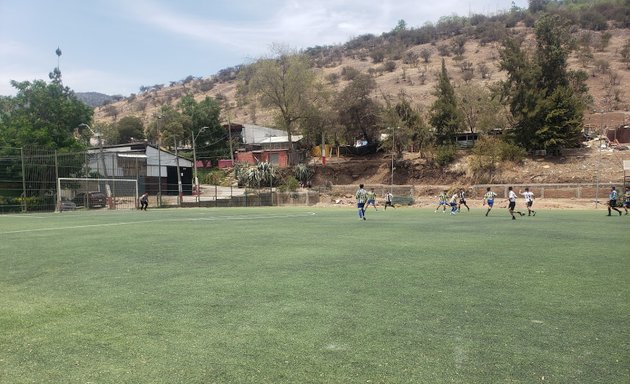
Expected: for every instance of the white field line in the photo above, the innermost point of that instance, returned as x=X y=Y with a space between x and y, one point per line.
x=218 y=218
x=23 y=216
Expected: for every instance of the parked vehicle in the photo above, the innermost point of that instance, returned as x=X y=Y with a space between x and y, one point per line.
x=92 y=199
x=67 y=205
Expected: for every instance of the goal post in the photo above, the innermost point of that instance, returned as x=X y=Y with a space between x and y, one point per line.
x=90 y=193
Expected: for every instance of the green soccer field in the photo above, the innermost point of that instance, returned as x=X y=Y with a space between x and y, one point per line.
x=314 y=295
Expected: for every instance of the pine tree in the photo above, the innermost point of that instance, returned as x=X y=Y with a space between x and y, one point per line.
x=545 y=98
x=445 y=117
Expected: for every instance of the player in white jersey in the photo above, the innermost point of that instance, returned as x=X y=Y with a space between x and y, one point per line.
x=529 y=201
x=612 y=201
x=389 y=200
x=512 y=203
x=462 y=201
x=453 y=203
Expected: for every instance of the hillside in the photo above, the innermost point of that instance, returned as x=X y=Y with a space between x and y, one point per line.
x=95 y=99
x=607 y=83
x=584 y=165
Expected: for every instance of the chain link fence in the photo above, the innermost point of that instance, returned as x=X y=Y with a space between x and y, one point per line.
x=29 y=177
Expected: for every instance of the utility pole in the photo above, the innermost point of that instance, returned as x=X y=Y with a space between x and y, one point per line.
x=196 y=181
x=100 y=145
x=391 y=185
x=159 y=196
x=599 y=157
x=230 y=134
x=24 y=180
x=108 y=190
x=323 y=149
x=179 y=175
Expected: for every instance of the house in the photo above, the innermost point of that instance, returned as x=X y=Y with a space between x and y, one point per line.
x=261 y=144
x=620 y=134
x=251 y=133
x=466 y=140
x=274 y=150
x=155 y=169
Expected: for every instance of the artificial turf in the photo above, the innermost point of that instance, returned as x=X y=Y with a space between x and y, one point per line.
x=314 y=295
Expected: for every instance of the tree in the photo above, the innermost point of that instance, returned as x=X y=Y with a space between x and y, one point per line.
x=404 y=126
x=425 y=53
x=537 y=5
x=284 y=83
x=545 y=99
x=321 y=119
x=357 y=111
x=481 y=111
x=166 y=127
x=44 y=115
x=445 y=117
x=212 y=142
x=42 y=119
x=128 y=129
x=625 y=53
x=401 y=26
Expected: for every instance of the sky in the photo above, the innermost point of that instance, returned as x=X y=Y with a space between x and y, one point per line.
x=117 y=46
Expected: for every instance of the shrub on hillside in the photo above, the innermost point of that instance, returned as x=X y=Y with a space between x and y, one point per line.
x=214 y=177
x=303 y=173
x=488 y=153
x=349 y=73
x=444 y=155
x=291 y=184
x=511 y=152
x=389 y=66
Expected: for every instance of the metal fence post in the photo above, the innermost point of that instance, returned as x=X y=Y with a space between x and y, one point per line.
x=23 y=180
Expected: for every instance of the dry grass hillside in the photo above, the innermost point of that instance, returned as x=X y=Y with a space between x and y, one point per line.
x=608 y=85
x=607 y=73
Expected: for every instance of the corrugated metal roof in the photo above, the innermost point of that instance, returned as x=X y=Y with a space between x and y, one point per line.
x=280 y=139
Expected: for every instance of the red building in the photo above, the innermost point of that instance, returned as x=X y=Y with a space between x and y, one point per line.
x=274 y=150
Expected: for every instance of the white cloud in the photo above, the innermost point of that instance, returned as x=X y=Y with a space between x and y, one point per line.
x=11 y=49
x=303 y=23
x=12 y=55
x=212 y=34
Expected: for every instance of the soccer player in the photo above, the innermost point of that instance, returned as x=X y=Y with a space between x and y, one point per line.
x=443 y=197
x=361 y=196
x=389 y=198
x=462 y=200
x=512 y=203
x=488 y=199
x=529 y=201
x=371 y=199
x=626 y=201
x=612 y=201
x=144 y=201
x=453 y=203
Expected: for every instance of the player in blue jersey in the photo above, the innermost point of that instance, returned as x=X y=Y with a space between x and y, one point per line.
x=371 y=199
x=488 y=199
x=442 y=201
